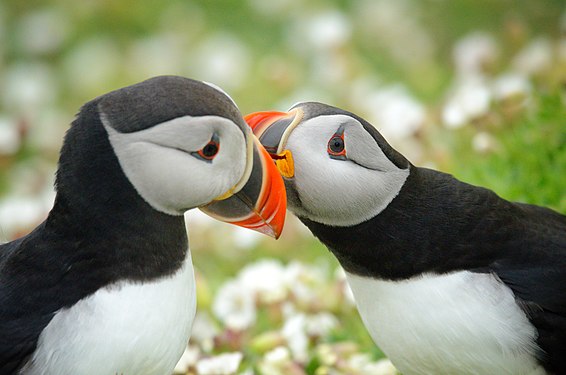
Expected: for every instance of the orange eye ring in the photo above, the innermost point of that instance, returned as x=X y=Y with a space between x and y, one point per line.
x=209 y=151
x=336 y=147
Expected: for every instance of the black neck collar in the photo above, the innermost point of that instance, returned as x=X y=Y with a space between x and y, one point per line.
x=431 y=226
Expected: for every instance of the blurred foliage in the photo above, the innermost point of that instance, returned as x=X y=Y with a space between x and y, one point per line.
x=282 y=55
x=529 y=161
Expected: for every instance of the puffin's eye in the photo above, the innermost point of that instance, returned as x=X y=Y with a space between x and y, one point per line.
x=336 y=146
x=209 y=151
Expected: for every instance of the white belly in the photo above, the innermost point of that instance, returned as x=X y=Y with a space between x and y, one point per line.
x=126 y=328
x=459 y=323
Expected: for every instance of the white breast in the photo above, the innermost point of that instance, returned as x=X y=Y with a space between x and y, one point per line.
x=127 y=328
x=459 y=323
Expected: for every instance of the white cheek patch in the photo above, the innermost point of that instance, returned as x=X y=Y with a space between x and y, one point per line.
x=159 y=164
x=337 y=192
x=362 y=149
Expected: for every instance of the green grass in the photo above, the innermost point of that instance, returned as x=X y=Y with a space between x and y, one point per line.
x=529 y=162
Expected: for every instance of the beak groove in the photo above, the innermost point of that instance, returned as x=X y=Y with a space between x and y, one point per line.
x=261 y=203
x=256 y=119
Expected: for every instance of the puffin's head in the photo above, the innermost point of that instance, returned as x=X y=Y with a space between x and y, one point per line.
x=338 y=169
x=183 y=144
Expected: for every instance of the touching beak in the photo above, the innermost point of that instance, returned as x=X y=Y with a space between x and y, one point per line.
x=258 y=201
x=273 y=129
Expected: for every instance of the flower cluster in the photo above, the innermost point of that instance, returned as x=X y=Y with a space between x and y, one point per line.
x=282 y=316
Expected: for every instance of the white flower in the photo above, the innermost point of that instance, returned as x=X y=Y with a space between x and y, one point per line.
x=470 y=99
x=43 y=31
x=278 y=355
x=383 y=367
x=46 y=132
x=204 y=330
x=156 y=54
x=329 y=68
x=244 y=238
x=396 y=25
x=298 y=327
x=28 y=87
x=265 y=278
x=320 y=324
x=188 y=359
x=234 y=305
x=362 y=364
x=326 y=355
x=9 y=136
x=395 y=112
x=303 y=281
x=328 y=29
x=535 y=57
x=483 y=142
x=34 y=181
x=222 y=59
x=288 y=309
x=223 y=364
x=99 y=56
x=20 y=213
x=473 y=52
x=275 y=362
x=510 y=84
x=297 y=340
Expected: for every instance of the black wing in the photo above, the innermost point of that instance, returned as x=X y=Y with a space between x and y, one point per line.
x=19 y=342
x=538 y=279
x=20 y=325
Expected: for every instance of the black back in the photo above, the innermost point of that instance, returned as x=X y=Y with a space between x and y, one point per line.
x=438 y=224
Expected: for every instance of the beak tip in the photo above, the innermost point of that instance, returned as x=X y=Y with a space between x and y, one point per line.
x=276 y=232
x=274 y=227
x=271 y=232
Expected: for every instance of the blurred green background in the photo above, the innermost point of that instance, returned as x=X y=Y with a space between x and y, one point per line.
x=475 y=88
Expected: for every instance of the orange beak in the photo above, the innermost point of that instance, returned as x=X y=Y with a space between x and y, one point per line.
x=260 y=204
x=273 y=128
x=257 y=120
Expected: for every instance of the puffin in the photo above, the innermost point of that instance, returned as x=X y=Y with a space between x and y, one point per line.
x=448 y=278
x=105 y=285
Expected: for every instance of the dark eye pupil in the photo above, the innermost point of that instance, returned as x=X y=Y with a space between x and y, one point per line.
x=210 y=149
x=337 y=144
